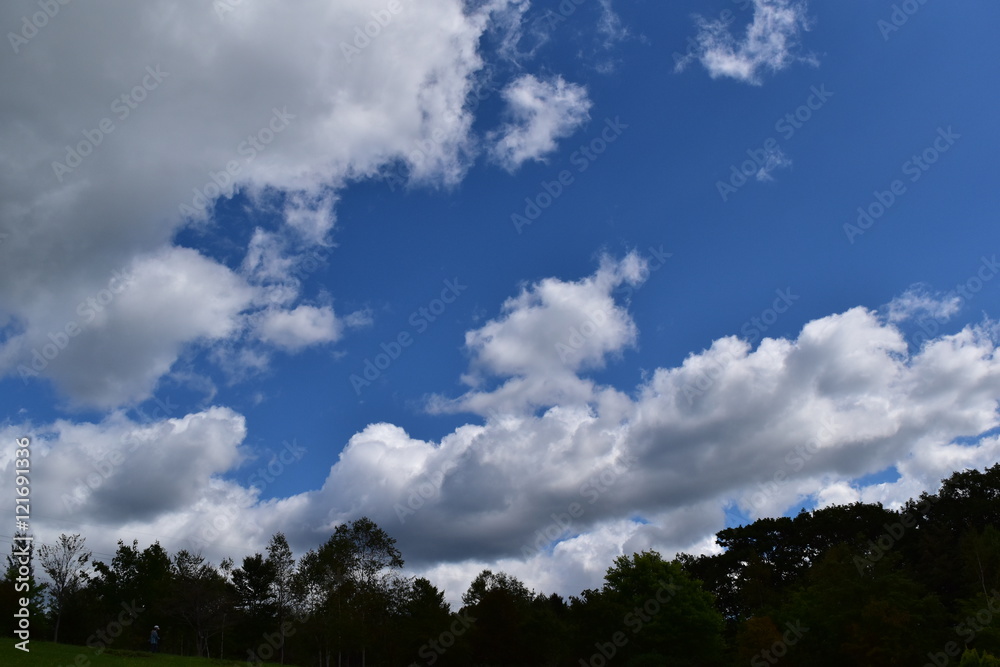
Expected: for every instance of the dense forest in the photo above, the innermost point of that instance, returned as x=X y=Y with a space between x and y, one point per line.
x=846 y=585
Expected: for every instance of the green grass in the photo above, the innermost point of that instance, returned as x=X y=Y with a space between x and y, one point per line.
x=47 y=654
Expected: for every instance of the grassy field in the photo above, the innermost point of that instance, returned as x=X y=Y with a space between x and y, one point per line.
x=47 y=654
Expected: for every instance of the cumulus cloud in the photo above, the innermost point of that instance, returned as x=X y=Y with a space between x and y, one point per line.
x=300 y=327
x=109 y=346
x=558 y=324
x=543 y=111
x=770 y=42
x=545 y=336
x=553 y=492
x=102 y=166
x=556 y=473
x=553 y=495
x=841 y=400
x=118 y=471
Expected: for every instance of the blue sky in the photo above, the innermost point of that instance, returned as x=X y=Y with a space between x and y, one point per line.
x=630 y=240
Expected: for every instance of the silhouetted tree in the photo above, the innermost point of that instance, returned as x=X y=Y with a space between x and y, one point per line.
x=63 y=562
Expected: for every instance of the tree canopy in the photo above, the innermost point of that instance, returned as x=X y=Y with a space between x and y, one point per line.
x=856 y=584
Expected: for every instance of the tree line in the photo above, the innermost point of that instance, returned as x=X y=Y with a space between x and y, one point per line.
x=851 y=584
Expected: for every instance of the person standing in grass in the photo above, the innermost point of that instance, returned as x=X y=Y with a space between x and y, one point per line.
x=154 y=639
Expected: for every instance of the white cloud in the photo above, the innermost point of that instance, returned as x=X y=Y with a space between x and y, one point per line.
x=917 y=300
x=117 y=470
x=774 y=159
x=543 y=111
x=188 y=104
x=553 y=493
x=770 y=42
x=545 y=336
x=301 y=327
x=311 y=216
x=129 y=332
x=610 y=25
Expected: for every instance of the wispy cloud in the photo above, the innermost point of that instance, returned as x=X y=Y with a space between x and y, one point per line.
x=770 y=43
x=919 y=301
x=774 y=159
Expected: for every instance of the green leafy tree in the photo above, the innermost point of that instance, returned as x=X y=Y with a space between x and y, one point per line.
x=665 y=612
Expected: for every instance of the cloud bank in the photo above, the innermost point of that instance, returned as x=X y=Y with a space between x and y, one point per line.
x=557 y=474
